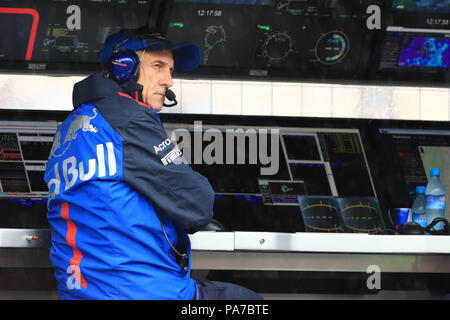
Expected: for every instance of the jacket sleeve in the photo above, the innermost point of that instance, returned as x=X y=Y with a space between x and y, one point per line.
x=153 y=165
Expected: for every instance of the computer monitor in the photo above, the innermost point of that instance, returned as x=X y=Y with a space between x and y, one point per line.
x=24 y=150
x=307 y=39
x=328 y=162
x=50 y=36
x=439 y=6
x=414 y=152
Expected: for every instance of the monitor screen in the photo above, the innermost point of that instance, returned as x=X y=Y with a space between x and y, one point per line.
x=52 y=34
x=414 y=50
x=302 y=162
x=233 y=159
x=440 y=6
x=239 y=212
x=306 y=39
x=335 y=214
x=414 y=152
x=422 y=14
x=24 y=149
x=328 y=161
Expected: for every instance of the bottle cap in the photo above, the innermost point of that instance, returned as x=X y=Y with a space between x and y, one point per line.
x=420 y=190
x=435 y=172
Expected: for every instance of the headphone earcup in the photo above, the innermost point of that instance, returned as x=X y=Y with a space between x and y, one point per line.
x=122 y=66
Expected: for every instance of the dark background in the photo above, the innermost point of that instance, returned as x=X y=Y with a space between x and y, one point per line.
x=304 y=40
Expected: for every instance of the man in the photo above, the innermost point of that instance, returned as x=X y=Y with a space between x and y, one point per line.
x=121 y=198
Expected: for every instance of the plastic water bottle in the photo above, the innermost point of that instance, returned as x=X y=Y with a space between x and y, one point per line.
x=418 y=207
x=435 y=199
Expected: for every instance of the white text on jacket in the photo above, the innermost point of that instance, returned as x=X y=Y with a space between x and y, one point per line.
x=70 y=173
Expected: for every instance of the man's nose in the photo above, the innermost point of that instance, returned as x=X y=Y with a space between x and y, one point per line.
x=167 y=79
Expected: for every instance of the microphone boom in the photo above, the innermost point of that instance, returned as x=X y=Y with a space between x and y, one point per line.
x=170 y=95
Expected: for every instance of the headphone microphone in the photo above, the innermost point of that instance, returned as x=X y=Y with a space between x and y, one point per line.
x=171 y=97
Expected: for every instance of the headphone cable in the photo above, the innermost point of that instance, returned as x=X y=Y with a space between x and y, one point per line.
x=183 y=256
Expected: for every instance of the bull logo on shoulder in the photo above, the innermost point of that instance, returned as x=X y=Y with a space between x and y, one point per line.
x=82 y=122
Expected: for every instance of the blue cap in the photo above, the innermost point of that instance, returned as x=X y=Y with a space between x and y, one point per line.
x=420 y=190
x=186 y=56
x=435 y=172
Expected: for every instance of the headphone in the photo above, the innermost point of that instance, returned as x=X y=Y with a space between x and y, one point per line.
x=124 y=63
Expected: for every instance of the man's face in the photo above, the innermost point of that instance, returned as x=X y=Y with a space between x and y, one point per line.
x=155 y=75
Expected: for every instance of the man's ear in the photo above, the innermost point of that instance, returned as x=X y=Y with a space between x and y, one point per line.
x=140 y=54
x=136 y=74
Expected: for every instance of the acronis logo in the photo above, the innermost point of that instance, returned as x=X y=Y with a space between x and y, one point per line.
x=162 y=145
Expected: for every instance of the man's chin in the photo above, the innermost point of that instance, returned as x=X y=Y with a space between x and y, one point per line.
x=157 y=107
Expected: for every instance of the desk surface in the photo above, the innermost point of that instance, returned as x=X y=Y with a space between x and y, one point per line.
x=321 y=242
x=320 y=252
x=326 y=262
x=274 y=251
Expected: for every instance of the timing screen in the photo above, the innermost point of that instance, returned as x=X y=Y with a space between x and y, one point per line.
x=311 y=163
x=307 y=36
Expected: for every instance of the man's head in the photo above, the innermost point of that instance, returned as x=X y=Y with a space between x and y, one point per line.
x=132 y=55
x=155 y=75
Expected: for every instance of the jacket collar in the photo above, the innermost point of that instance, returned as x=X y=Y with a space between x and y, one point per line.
x=96 y=87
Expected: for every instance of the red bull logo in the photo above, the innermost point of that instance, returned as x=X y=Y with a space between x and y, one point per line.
x=80 y=121
x=72 y=170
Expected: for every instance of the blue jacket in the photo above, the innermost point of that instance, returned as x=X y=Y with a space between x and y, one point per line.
x=111 y=172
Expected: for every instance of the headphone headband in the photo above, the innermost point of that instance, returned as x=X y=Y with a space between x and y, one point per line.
x=187 y=56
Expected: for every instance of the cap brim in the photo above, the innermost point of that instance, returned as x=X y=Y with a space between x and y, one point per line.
x=186 y=56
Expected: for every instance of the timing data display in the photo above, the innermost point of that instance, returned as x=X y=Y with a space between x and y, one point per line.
x=290 y=36
x=415 y=152
x=304 y=147
x=344 y=154
x=258 y=174
x=422 y=14
x=24 y=150
x=62 y=31
x=325 y=162
x=416 y=50
x=439 y=6
x=233 y=159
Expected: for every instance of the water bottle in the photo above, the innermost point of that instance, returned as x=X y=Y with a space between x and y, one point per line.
x=435 y=199
x=418 y=207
